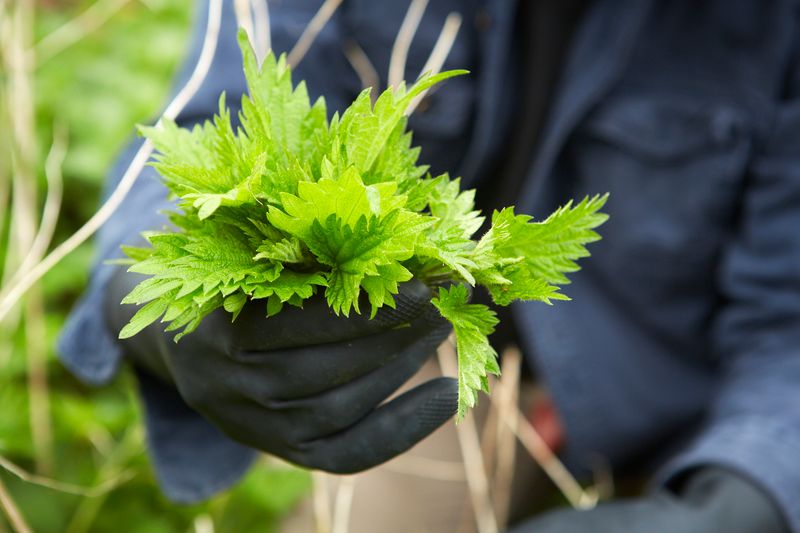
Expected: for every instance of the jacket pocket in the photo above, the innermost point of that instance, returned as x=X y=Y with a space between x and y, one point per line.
x=675 y=169
x=667 y=131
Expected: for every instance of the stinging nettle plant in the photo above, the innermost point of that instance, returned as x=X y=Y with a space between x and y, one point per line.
x=292 y=204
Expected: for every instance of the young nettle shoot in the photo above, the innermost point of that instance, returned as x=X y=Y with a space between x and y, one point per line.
x=292 y=204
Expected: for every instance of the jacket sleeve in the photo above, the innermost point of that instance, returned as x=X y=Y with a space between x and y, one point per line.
x=192 y=459
x=754 y=424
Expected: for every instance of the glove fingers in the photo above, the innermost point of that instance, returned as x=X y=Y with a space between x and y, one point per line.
x=316 y=323
x=341 y=407
x=303 y=372
x=387 y=432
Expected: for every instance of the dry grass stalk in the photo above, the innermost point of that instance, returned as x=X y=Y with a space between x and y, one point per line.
x=67 y=488
x=504 y=404
x=113 y=466
x=498 y=443
x=263 y=34
x=323 y=517
x=10 y=296
x=9 y=44
x=3 y=527
x=203 y=524
x=363 y=67
x=38 y=388
x=36 y=350
x=603 y=478
x=402 y=42
x=435 y=62
x=52 y=205
x=5 y=180
x=468 y=441
x=12 y=512
x=488 y=433
x=552 y=466
x=5 y=177
x=77 y=28
x=312 y=29
x=244 y=19
x=344 y=504
x=24 y=234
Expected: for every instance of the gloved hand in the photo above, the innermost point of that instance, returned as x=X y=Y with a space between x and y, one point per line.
x=304 y=385
x=711 y=500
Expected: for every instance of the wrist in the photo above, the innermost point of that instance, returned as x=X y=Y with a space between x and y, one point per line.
x=145 y=350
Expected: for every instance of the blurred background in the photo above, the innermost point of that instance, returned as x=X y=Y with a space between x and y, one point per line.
x=75 y=78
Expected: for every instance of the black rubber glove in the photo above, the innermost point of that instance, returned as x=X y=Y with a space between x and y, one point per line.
x=711 y=500
x=304 y=385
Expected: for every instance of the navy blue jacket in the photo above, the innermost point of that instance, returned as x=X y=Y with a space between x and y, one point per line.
x=682 y=341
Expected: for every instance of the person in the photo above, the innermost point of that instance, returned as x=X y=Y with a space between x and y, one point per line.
x=679 y=354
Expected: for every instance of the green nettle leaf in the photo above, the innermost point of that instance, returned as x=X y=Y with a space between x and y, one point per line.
x=472 y=324
x=292 y=205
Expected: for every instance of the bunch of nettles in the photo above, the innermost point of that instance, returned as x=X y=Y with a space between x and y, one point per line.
x=291 y=204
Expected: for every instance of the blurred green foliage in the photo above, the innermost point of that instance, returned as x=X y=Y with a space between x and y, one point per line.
x=98 y=88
